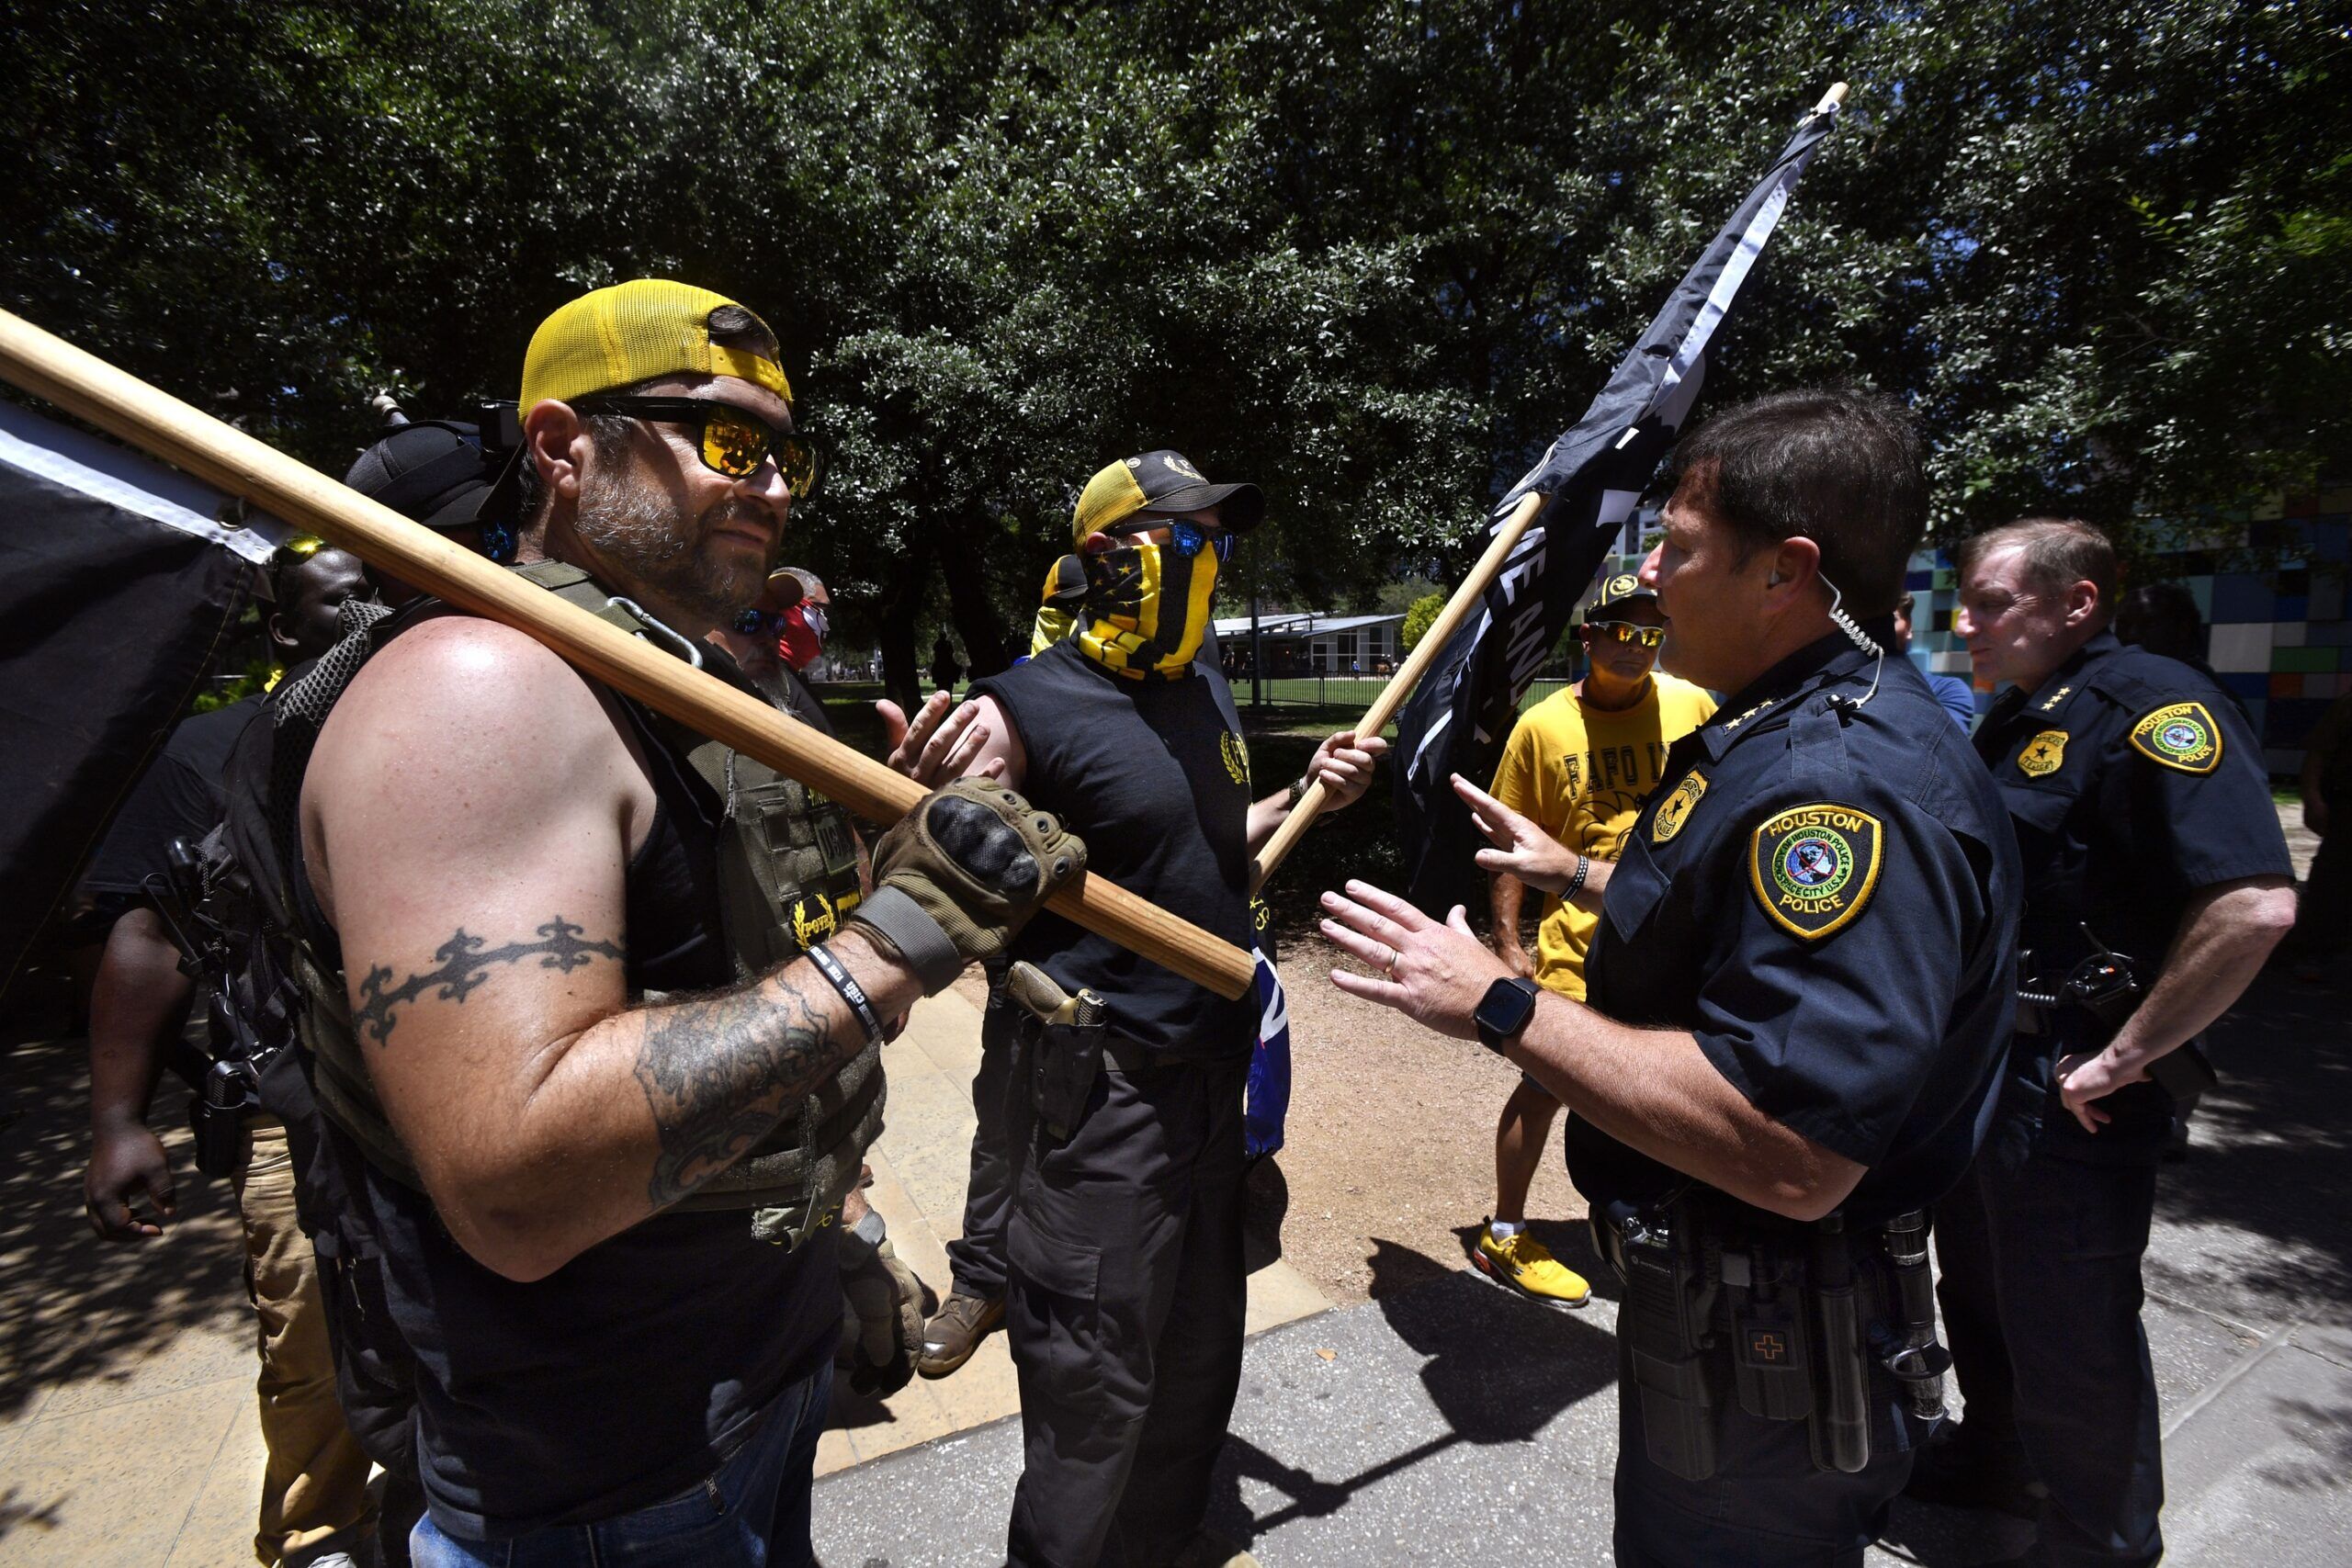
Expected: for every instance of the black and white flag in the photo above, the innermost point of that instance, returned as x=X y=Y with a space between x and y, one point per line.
x=117 y=591
x=1461 y=714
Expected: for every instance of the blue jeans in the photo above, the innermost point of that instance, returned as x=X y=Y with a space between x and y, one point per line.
x=752 y=1512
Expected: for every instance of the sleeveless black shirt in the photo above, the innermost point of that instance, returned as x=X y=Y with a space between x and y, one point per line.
x=1154 y=776
x=639 y=1367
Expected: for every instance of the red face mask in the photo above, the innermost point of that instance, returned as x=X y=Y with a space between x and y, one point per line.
x=798 y=643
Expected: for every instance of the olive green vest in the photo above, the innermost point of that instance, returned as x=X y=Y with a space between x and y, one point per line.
x=787 y=875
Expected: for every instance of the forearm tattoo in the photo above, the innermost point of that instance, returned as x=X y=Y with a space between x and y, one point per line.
x=466 y=964
x=720 y=1071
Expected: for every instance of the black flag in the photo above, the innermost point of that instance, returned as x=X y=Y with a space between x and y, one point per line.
x=1459 y=717
x=117 y=590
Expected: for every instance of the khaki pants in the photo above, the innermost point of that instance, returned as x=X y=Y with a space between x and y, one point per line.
x=316 y=1483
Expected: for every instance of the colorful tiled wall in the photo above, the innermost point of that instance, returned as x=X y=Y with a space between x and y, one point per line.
x=2271 y=588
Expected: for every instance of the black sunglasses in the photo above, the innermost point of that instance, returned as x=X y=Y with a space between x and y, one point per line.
x=733 y=441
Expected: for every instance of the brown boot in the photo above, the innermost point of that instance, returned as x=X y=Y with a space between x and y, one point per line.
x=956 y=1331
x=1209 y=1550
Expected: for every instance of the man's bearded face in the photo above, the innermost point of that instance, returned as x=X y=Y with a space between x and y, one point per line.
x=630 y=517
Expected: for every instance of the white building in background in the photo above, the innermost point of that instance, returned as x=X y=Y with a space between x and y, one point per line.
x=1305 y=643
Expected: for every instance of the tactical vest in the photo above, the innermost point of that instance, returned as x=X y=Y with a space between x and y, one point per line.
x=787 y=875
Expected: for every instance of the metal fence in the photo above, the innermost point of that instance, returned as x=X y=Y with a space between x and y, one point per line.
x=1354 y=693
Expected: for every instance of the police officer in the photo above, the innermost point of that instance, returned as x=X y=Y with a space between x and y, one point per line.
x=2147 y=831
x=1799 y=994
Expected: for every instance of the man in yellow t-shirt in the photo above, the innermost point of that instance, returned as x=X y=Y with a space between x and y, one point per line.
x=1579 y=763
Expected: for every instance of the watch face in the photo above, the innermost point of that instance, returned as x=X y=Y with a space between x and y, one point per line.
x=1503 y=1010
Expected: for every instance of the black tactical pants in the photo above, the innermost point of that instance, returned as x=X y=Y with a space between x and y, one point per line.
x=1124 y=1311
x=976 y=1258
x=2040 y=1295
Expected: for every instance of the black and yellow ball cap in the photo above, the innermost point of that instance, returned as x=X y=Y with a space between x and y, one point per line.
x=1619 y=587
x=1160 y=482
x=636 y=331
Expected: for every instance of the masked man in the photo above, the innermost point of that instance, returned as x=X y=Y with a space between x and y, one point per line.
x=1122 y=1283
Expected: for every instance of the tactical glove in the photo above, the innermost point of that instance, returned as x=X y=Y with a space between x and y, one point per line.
x=960 y=874
x=882 y=1308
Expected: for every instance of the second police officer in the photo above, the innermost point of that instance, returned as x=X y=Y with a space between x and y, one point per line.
x=1799 y=996
x=2156 y=882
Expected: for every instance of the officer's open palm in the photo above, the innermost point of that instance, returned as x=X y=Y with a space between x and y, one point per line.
x=1435 y=973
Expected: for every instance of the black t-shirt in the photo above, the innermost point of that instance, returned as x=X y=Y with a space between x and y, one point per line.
x=639 y=1366
x=181 y=795
x=2133 y=782
x=1154 y=776
x=1825 y=898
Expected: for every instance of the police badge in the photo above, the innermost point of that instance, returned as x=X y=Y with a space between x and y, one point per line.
x=1814 y=867
x=1676 y=809
x=2043 y=754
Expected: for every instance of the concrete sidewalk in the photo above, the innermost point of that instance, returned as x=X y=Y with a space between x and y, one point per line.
x=1450 y=1424
x=921 y=1168
x=129 y=1432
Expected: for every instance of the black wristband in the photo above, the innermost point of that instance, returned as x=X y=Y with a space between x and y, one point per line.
x=852 y=992
x=1576 y=883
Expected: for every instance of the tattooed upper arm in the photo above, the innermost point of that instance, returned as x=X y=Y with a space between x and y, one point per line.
x=466 y=965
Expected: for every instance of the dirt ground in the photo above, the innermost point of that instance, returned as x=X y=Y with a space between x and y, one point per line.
x=1388 y=1165
x=1389 y=1161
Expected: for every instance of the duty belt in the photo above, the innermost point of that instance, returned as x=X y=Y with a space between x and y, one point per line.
x=1788 y=1311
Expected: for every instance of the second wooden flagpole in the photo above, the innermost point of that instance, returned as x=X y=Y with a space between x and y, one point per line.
x=228 y=459
x=1392 y=696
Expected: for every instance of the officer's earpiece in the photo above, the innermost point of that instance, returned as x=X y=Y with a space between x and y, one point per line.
x=1774 y=581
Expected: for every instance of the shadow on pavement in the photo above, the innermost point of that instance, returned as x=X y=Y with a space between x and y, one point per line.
x=2269 y=1161
x=72 y=1306
x=1499 y=1369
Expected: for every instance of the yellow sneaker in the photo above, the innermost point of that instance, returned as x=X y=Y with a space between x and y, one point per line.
x=1521 y=1263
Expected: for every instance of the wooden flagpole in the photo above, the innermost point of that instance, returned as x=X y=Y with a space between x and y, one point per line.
x=1432 y=644
x=228 y=459
x=1392 y=696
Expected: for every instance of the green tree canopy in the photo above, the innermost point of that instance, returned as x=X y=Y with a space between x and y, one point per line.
x=1371 y=256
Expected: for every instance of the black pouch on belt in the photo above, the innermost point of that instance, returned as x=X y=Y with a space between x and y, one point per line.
x=1066 y=1038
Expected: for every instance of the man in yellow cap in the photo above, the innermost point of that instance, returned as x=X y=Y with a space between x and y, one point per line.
x=599 y=1091
x=1116 y=1264
x=1579 y=764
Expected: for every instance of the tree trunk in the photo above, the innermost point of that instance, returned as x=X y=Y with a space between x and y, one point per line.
x=895 y=627
x=969 y=605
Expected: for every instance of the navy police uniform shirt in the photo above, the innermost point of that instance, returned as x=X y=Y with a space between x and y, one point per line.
x=2133 y=782
x=1825 y=896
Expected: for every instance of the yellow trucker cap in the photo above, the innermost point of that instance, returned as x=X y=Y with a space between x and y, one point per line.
x=631 y=332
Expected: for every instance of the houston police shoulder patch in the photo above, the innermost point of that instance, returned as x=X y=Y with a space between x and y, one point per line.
x=1675 y=809
x=2180 y=735
x=1814 y=867
x=2045 y=754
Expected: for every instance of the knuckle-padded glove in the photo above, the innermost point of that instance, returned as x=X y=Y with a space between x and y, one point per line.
x=960 y=875
x=884 y=1305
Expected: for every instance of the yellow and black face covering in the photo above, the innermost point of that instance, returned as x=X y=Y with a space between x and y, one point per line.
x=1144 y=608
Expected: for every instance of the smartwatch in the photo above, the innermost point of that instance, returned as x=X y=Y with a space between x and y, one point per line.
x=1504 y=1011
